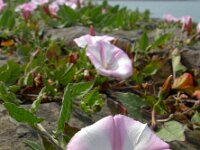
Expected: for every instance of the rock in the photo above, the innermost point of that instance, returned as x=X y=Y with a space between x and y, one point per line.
x=12 y=133
x=67 y=35
x=190 y=58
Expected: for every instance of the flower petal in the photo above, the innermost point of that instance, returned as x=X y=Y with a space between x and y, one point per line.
x=98 y=136
x=198 y=28
x=170 y=18
x=116 y=133
x=87 y=39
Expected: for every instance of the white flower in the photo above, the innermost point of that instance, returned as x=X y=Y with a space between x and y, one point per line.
x=116 y=133
x=110 y=60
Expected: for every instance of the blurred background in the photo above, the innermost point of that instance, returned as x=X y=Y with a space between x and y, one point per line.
x=158 y=8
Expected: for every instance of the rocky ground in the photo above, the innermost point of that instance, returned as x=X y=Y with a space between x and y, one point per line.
x=12 y=134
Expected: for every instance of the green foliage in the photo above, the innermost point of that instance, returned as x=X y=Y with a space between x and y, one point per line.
x=71 y=92
x=144 y=42
x=6 y=95
x=33 y=145
x=65 y=111
x=151 y=68
x=151 y=101
x=35 y=105
x=92 y=102
x=133 y=103
x=171 y=131
x=68 y=15
x=161 y=40
x=64 y=74
x=176 y=63
x=80 y=89
x=7 y=19
x=21 y=114
x=196 y=120
x=10 y=72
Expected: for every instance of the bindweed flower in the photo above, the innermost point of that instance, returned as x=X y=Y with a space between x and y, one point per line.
x=53 y=8
x=71 y=3
x=2 y=5
x=198 y=28
x=186 y=23
x=40 y=2
x=170 y=18
x=109 y=60
x=27 y=9
x=87 y=39
x=116 y=133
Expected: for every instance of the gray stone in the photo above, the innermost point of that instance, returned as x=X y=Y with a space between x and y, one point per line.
x=12 y=133
x=190 y=58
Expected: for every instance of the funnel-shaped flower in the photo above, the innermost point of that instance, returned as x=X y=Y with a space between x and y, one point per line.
x=26 y=9
x=71 y=3
x=109 y=60
x=186 y=23
x=170 y=18
x=116 y=133
x=53 y=8
x=40 y=2
x=198 y=28
x=86 y=40
x=2 y=5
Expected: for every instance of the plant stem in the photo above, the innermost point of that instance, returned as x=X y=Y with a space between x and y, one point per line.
x=48 y=137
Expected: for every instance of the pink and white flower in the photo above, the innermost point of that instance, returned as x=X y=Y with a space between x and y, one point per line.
x=40 y=2
x=53 y=8
x=170 y=18
x=86 y=40
x=110 y=60
x=26 y=9
x=71 y=3
x=198 y=28
x=2 y=5
x=186 y=23
x=116 y=133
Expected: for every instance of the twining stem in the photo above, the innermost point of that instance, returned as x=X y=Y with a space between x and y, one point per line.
x=153 y=114
x=47 y=136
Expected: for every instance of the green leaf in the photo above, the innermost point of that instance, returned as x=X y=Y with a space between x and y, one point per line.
x=92 y=101
x=7 y=19
x=6 y=95
x=66 y=109
x=151 y=68
x=36 y=103
x=171 y=131
x=10 y=72
x=196 y=119
x=33 y=145
x=132 y=102
x=47 y=145
x=64 y=75
x=161 y=40
x=138 y=77
x=176 y=63
x=81 y=88
x=22 y=115
x=151 y=100
x=144 y=42
x=68 y=14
